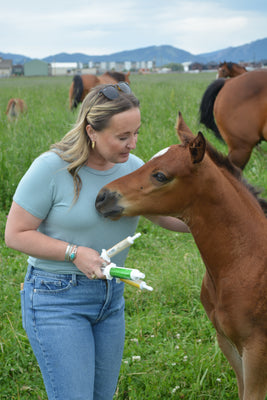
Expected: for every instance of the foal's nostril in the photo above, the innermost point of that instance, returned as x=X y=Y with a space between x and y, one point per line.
x=107 y=203
x=101 y=197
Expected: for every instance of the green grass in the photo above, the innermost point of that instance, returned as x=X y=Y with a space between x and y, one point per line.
x=167 y=328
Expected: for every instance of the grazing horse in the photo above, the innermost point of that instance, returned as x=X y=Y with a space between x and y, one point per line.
x=195 y=183
x=15 y=107
x=229 y=69
x=82 y=84
x=239 y=107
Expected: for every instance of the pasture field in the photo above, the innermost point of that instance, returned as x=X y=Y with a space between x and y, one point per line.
x=170 y=348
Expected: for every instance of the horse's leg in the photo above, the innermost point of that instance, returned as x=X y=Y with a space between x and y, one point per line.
x=240 y=142
x=209 y=299
x=71 y=96
x=240 y=155
x=255 y=370
x=232 y=355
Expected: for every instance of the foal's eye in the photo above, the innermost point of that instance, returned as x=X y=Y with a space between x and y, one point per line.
x=160 y=177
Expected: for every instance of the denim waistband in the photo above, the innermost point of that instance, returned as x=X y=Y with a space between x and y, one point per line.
x=32 y=271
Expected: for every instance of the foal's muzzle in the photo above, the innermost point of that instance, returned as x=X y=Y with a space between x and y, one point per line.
x=107 y=204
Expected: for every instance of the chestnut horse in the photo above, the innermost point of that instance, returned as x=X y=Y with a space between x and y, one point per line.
x=239 y=107
x=82 y=84
x=195 y=183
x=229 y=69
x=15 y=107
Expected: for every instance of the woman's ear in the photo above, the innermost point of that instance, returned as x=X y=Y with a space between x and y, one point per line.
x=90 y=132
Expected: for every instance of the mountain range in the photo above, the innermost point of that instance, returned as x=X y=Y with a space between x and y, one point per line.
x=255 y=51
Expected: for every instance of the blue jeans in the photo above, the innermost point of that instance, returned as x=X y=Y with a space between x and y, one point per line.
x=76 y=329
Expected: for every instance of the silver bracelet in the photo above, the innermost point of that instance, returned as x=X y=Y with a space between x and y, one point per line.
x=71 y=252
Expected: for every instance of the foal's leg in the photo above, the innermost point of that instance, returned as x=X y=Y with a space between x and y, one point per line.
x=255 y=370
x=234 y=359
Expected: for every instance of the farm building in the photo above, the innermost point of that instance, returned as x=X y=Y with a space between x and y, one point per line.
x=36 y=68
x=61 y=68
x=5 y=68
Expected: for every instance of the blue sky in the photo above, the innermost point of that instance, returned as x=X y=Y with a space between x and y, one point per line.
x=108 y=26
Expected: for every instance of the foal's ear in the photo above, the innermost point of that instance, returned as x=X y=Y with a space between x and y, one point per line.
x=182 y=129
x=197 y=148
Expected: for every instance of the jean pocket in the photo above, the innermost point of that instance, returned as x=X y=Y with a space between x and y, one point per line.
x=51 y=285
x=23 y=314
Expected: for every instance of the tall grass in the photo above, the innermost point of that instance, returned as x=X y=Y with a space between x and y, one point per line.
x=167 y=329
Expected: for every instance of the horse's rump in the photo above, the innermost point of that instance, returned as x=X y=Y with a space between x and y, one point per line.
x=82 y=84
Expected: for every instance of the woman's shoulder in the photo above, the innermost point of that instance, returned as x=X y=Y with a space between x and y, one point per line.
x=51 y=159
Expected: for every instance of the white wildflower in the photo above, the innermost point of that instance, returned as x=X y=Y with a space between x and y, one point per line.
x=175 y=389
x=136 y=358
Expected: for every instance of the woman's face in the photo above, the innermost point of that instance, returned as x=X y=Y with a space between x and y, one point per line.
x=114 y=143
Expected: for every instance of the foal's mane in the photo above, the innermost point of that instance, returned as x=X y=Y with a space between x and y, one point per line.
x=119 y=76
x=223 y=161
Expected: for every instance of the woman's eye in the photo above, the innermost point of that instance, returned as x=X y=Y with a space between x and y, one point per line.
x=160 y=177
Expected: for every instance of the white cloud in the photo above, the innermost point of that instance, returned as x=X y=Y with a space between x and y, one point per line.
x=104 y=27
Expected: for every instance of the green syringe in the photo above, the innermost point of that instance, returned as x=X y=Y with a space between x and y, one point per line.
x=130 y=276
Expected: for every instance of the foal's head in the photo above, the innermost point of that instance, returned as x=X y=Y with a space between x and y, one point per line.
x=169 y=182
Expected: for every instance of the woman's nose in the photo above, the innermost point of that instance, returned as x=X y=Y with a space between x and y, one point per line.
x=131 y=144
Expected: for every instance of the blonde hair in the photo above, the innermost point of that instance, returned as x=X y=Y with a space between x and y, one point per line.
x=96 y=110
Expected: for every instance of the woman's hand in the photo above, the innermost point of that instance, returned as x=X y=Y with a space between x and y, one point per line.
x=89 y=262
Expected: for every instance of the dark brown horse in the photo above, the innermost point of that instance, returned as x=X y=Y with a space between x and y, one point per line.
x=230 y=69
x=15 y=108
x=195 y=183
x=82 y=84
x=239 y=107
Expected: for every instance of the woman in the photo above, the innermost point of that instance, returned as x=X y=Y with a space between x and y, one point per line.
x=73 y=317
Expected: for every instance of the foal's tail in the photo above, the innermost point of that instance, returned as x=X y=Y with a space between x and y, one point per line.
x=76 y=91
x=207 y=104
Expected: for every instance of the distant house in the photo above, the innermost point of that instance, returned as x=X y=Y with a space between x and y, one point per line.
x=36 y=68
x=5 y=68
x=18 y=70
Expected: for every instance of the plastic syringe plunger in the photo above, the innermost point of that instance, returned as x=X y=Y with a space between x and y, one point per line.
x=138 y=284
x=122 y=245
x=112 y=271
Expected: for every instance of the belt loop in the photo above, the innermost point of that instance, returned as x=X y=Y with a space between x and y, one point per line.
x=74 y=279
x=29 y=272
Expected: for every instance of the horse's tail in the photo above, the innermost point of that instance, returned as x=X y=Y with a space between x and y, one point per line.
x=207 y=104
x=77 y=91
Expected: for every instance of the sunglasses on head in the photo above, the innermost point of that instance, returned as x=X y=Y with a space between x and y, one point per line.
x=112 y=92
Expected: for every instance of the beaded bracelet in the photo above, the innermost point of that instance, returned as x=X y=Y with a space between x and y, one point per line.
x=71 y=252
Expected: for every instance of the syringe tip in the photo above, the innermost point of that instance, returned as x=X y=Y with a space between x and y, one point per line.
x=145 y=286
x=137 y=235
